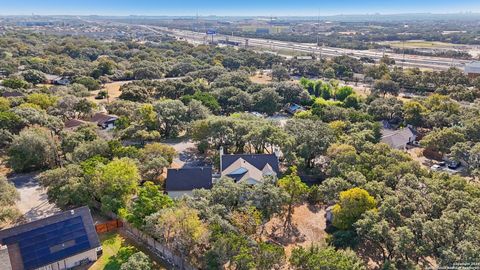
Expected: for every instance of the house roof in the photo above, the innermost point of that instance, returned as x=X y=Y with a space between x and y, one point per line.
x=243 y=171
x=293 y=108
x=13 y=94
x=51 y=239
x=188 y=178
x=72 y=123
x=52 y=77
x=397 y=138
x=102 y=118
x=257 y=160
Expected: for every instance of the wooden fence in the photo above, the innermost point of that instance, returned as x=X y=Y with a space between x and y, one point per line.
x=108 y=226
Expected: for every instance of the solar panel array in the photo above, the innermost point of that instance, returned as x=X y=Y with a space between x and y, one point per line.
x=36 y=245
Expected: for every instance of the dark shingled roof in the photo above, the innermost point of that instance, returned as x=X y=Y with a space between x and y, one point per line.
x=72 y=123
x=102 y=118
x=257 y=160
x=51 y=239
x=13 y=94
x=188 y=178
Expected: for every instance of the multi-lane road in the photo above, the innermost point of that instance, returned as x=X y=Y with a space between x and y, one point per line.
x=436 y=63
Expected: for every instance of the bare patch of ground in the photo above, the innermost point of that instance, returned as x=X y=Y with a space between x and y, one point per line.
x=113 y=90
x=309 y=228
x=416 y=154
x=261 y=78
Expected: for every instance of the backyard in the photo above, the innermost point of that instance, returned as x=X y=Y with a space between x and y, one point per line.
x=116 y=250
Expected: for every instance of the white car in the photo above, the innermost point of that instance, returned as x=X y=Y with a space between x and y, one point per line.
x=436 y=167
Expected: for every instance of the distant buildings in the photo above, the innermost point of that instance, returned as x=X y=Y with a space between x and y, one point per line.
x=249 y=168
x=472 y=69
x=61 y=241
x=183 y=181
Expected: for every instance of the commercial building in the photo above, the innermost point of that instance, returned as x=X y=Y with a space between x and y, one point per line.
x=472 y=69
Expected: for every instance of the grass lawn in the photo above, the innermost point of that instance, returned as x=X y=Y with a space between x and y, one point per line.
x=421 y=44
x=114 y=252
x=111 y=244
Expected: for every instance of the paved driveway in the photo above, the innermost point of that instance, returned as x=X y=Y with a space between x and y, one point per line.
x=33 y=202
x=187 y=154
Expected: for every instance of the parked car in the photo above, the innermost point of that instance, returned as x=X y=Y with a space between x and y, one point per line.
x=454 y=165
x=436 y=167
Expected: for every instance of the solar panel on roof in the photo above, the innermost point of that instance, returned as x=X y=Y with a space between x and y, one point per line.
x=68 y=238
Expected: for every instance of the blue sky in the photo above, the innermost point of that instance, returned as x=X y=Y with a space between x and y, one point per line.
x=233 y=7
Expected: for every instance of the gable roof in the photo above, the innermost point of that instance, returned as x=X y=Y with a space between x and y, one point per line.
x=188 y=178
x=257 y=160
x=102 y=118
x=51 y=239
x=72 y=123
x=397 y=138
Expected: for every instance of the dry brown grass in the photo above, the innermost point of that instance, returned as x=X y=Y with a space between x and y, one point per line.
x=309 y=228
x=113 y=90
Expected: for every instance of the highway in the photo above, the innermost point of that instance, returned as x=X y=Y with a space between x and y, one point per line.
x=435 y=63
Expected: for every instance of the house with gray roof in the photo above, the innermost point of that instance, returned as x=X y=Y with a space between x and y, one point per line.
x=249 y=168
x=398 y=138
x=183 y=181
x=61 y=241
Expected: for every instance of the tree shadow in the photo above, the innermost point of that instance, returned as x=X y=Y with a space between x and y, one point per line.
x=315 y=208
x=280 y=234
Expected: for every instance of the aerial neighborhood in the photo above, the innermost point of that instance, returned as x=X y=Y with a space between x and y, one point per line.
x=251 y=142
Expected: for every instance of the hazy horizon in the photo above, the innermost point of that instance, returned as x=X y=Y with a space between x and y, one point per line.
x=244 y=8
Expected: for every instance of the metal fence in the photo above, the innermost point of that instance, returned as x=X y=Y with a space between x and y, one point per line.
x=157 y=248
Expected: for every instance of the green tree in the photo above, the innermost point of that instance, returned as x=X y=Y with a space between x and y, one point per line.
x=158 y=150
x=267 y=101
x=386 y=87
x=137 y=261
x=352 y=204
x=34 y=148
x=179 y=228
x=150 y=199
x=413 y=112
x=14 y=83
x=312 y=138
x=67 y=187
x=172 y=117
x=8 y=199
x=279 y=73
x=442 y=140
x=115 y=183
x=4 y=104
x=88 y=82
x=43 y=100
x=34 y=76
x=314 y=258
x=296 y=190
x=343 y=92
